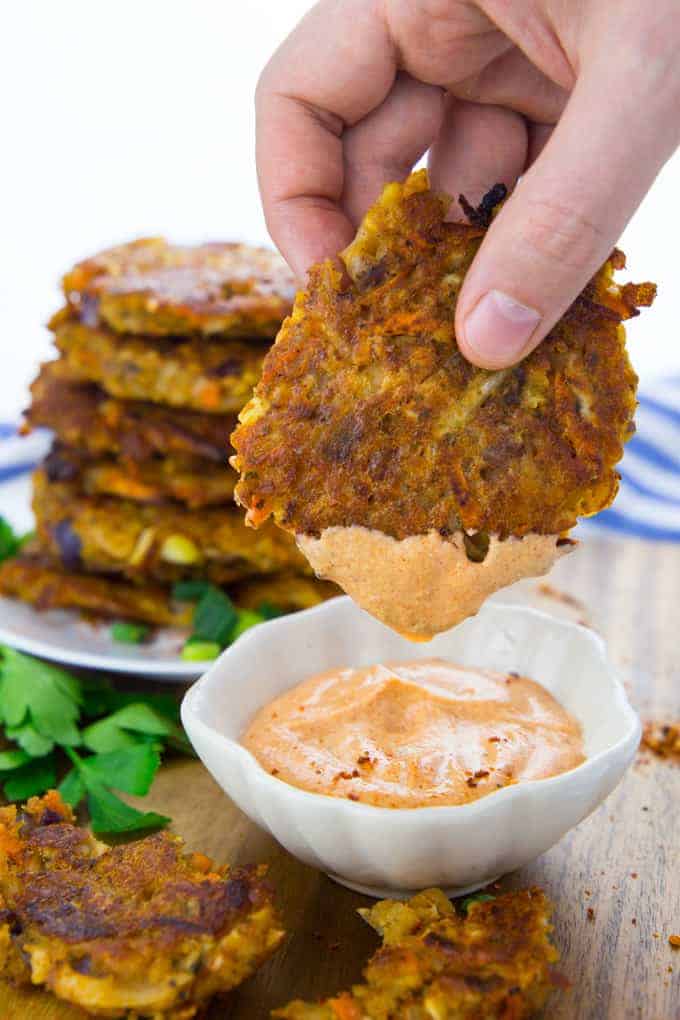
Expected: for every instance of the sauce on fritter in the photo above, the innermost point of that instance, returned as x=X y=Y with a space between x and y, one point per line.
x=415 y=734
x=425 y=584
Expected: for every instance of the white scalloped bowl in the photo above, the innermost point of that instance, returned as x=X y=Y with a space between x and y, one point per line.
x=386 y=851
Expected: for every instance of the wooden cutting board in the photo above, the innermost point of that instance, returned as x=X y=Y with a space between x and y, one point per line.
x=615 y=880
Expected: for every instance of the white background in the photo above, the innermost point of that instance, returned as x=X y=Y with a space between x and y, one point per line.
x=135 y=117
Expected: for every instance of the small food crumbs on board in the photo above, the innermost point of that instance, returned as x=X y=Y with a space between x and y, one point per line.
x=663 y=739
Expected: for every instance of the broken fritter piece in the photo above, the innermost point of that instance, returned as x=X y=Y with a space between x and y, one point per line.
x=212 y=376
x=494 y=963
x=82 y=415
x=138 y=930
x=369 y=429
x=184 y=479
x=162 y=542
x=151 y=286
x=43 y=582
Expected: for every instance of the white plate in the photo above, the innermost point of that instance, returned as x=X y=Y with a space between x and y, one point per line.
x=62 y=635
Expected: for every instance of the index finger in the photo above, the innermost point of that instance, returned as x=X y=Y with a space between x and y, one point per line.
x=336 y=66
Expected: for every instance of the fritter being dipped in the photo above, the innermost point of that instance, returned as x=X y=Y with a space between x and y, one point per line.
x=83 y=415
x=212 y=376
x=44 y=583
x=139 y=930
x=415 y=480
x=151 y=286
x=189 y=480
x=495 y=963
x=164 y=542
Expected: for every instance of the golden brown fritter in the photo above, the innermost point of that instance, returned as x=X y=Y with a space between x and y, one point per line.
x=164 y=542
x=367 y=413
x=213 y=376
x=189 y=480
x=435 y=964
x=139 y=930
x=150 y=286
x=82 y=415
x=43 y=582
x=288 y=592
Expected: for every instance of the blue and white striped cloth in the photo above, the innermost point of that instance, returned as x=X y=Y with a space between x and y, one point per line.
x=647 y=506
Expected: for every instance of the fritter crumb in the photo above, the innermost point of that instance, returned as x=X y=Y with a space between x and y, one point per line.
x=138 y=930
x=663 y=739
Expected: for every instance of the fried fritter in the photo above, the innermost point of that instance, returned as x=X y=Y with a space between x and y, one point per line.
x=150 y=286
x=43 y=582
x=82 y=415
x=190 y=480
x=212 y=376
x=367 y=414
x=164 y=542
x=493 y=964
x=139 y=930
x=288 y=592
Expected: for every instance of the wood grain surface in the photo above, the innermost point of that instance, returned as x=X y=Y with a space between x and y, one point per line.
x=615 y=880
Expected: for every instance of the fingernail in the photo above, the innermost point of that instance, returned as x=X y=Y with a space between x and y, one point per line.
x=498 y=329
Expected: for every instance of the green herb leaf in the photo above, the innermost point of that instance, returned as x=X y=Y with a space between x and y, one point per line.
x=215 y=617
x=9 y=543
x=72 y=787
x=191 y=591
x=129 y=633
x=110 y=814
x=196 y=650
x=28 y=738
x=480 y=897
x=268 y=611
x=131 y=725
x=32 y=691
x=107 y=812
x=36 y=776
x=100 y=697
x=131 y=771
x=12 y=760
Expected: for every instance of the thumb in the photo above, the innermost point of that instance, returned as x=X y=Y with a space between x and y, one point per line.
x=568 y=211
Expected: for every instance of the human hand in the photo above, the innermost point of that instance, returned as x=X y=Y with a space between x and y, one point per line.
x=581 y=97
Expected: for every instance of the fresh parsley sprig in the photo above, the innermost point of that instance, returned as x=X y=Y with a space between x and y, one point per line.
x=217 y=621
x=113 y=740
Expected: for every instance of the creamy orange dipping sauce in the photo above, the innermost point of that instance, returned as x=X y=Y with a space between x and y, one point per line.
x=414 y=734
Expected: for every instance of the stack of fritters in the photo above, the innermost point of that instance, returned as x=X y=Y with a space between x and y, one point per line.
x=159 y=348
